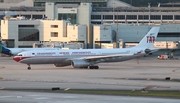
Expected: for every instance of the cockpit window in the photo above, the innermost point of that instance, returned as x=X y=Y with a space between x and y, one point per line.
x=33 y=53
x=19 y=54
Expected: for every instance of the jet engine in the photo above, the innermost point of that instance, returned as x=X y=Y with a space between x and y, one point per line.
x=80 y=64
x=147 y=51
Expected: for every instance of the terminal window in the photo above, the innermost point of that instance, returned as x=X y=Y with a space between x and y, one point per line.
x=177 y=34
x=109 y=17
x=68 y=17
x=155 y=17
x=54 y=26
x=27 y=16
x=95 y=16
x=28 y=34
x=37 y=16
x=177 y=17
x=96 y=22
x=167 y=17
x=131 y=17
x=26 y=26
x=143 y=17
x=54 y=34
x=122 y=17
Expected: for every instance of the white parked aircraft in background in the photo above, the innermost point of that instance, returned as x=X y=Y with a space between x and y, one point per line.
x=84 y=58
x=15 y=51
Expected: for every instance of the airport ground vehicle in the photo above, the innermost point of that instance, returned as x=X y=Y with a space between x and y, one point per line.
x=166 y=57
x=163 y=57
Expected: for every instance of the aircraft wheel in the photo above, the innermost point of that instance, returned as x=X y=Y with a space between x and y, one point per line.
x=91 y=67
x=96 y=67
x=29 y=68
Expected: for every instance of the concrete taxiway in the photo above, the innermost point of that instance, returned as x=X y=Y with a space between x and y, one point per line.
x=149 y=74
x=35 y=97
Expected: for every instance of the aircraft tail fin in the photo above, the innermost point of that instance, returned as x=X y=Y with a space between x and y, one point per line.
x=149 y=38
x=4 y=49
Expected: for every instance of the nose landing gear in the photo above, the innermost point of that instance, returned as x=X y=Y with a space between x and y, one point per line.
x=29 y=68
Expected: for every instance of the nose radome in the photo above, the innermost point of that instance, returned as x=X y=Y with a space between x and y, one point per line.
x=17 y=59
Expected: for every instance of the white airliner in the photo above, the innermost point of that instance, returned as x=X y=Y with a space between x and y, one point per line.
x=88 y=58
x=15 y=51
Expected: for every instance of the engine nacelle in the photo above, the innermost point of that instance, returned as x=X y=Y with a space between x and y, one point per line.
x=147 y=51
x=80 y=63
x=60 y=65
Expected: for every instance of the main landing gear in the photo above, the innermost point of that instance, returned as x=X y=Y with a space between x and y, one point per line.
x=29 y=68
x=93 y=67
x=90 y=67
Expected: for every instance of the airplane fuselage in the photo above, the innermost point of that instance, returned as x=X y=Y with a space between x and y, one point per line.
x=64 y=56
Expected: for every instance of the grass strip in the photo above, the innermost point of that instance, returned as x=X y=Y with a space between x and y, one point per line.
x=170 y=94
x=152 y=93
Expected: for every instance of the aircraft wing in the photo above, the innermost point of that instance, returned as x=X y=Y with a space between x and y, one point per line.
x=95 y=58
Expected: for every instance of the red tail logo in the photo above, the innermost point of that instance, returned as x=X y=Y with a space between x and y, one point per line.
x=150 y=39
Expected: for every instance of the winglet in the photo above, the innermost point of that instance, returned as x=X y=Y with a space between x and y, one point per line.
x=4 y=49
x=149 y=38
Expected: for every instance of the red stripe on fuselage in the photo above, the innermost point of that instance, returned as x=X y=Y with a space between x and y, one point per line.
x=19 y=58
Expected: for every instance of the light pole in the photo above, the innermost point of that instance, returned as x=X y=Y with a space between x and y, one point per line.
x=117 y=33
x=117 y=46
x=113 y=13
x=149 y=6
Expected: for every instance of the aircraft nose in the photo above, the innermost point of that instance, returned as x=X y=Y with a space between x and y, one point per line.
x=17 y=59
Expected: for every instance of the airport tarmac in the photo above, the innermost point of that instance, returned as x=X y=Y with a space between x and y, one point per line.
x=35 y=97
x=149 y=74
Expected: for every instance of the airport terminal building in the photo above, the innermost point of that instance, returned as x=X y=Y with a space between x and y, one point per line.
x=92 y=22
